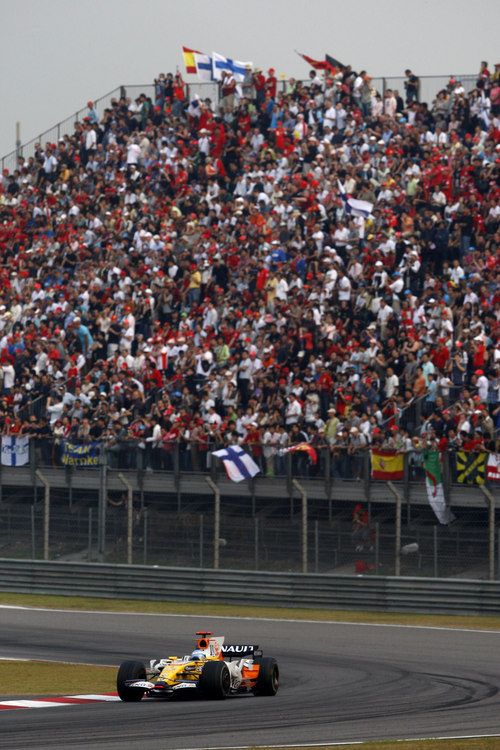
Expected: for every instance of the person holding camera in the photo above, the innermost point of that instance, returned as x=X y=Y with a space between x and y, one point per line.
x=412 y=85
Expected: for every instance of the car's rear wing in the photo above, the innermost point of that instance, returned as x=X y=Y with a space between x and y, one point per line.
x=237 y=650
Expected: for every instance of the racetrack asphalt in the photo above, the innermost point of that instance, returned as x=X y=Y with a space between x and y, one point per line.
x=339 y=682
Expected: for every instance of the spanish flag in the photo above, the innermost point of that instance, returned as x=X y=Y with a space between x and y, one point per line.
x=304 y=447
x=189 y=60
x=387 y=465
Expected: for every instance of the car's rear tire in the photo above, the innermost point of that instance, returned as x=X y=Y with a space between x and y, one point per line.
x=130 y=670
x=269 y=676
x=215 y=680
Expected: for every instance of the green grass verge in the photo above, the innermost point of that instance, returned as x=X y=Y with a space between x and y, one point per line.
x=488 y=743
x=52 y=678
x=230 y=610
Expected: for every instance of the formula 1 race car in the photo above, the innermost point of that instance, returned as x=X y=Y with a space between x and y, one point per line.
x=212 y=670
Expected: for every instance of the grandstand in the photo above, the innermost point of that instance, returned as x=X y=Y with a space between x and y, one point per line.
x=315 y=265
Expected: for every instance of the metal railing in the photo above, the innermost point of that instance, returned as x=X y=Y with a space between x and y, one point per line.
x=60 y=129
x=386 y=594
x=178 y=457
x=429 y=87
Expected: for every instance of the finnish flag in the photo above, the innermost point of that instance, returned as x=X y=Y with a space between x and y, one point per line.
x=238 y=464
x=221 y=63
x=203 y=66
x=15 y=450
x=354 y=207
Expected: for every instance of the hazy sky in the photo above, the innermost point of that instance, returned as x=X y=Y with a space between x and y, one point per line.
x=57 y=54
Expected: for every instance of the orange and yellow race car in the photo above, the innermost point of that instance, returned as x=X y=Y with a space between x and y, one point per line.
x=213 y=670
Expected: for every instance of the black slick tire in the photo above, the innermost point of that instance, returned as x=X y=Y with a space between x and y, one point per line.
x=215 y=680
x=269 y=676
x=130 y=670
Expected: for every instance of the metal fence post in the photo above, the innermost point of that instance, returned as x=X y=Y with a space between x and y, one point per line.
x=377 y=547
x=128 y=487
x=33 y=550
x=435 y=551
x=492 y=539
x=201 y=540
x=32 y=455
x=491 y=531
x=256 y=541
x=288 y=469
x=177 y=474
x=101 y=520
x=397 y=561
x=46 y=514
x=406 y=487
x=397 y=566
x=304 y=523
x=89 y=554
x=145 y=536
x=216 y=491
x=498 y=553
x=316 y=547
x=251 y=487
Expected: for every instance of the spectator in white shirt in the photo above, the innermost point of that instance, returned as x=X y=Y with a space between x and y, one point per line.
x=293 y=410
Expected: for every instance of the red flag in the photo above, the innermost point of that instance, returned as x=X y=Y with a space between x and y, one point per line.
x=304 y=447
x=316 y=64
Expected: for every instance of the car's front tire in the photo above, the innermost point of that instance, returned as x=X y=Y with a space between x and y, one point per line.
x=130 y=670
x=215 y=680
x=269 y=676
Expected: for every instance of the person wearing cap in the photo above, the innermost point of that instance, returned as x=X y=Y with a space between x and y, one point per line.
x=259 y=83
x=247 y=85
x=92 y=113
x=331 y=426
x=228 y=90
x=271 y=83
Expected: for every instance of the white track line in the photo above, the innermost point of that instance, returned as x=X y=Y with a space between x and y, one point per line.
x=253 y=619
x=104 y=697
x=348 y=742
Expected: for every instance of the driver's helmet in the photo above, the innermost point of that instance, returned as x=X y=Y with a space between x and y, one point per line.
x=197 y=655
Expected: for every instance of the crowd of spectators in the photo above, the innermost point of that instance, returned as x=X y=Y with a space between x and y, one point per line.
x=183 y=270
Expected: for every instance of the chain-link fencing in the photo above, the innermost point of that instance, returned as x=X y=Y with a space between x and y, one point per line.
x=282 y=532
